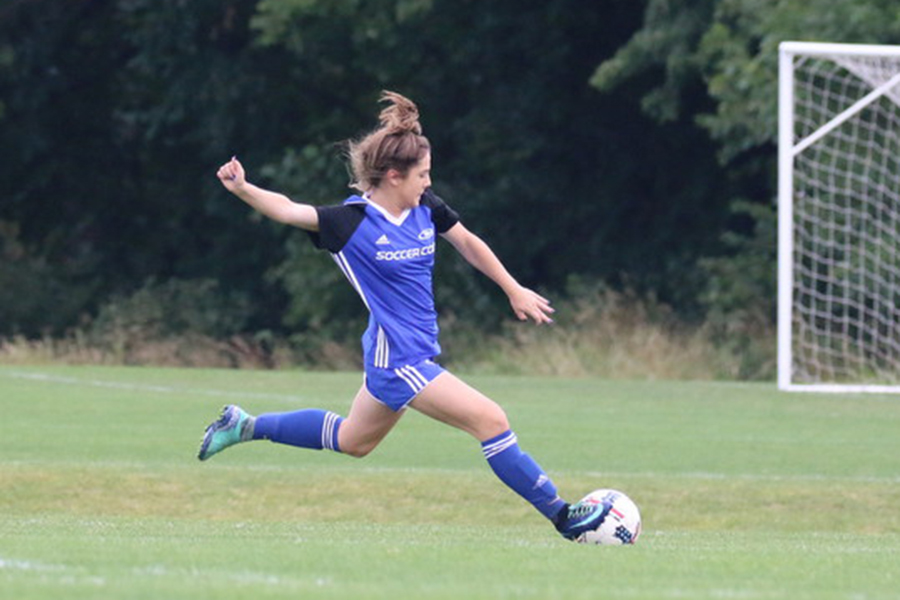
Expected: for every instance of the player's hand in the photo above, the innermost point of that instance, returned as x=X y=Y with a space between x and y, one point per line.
x=231 y=174
x=527 y=304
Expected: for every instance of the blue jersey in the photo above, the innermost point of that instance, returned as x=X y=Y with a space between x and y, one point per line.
x=389 y=261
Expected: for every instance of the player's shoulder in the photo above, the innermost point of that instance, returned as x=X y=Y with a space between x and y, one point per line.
x=431 y=199
x=442 y=215
x=338 y=222
x=348 y=213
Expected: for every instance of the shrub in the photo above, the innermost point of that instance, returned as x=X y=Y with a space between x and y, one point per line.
x=187 y=322
x=37 y=298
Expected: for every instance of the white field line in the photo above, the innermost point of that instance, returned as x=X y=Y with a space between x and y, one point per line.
x=12 y=564
x=599 y=476
x=760 y=477
x=139 y=387
x=75 y=575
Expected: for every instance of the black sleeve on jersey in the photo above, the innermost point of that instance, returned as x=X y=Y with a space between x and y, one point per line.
x=442 y=215
x=336 y=225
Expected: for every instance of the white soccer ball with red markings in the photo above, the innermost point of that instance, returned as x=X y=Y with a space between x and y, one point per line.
x=621 y=524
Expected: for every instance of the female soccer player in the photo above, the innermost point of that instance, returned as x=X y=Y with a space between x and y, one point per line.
x=384 y=242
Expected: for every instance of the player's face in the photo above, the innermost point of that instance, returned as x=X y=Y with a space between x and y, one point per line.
x=416 y=181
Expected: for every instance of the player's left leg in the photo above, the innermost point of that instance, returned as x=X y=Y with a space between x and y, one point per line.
x=233 y=426
x=450 y=400
x=357 y=435
x=368 y=422
x=308 y=428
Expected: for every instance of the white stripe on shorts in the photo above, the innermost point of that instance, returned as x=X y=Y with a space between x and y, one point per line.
x=382 y=350
x=412 y=377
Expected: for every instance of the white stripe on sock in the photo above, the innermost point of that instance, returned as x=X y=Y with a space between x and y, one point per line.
x=328 y=427
x=503 y=440
x=492 y=450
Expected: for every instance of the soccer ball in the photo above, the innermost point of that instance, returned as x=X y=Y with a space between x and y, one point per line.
x=622 y=523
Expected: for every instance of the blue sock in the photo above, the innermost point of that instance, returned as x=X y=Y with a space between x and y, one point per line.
x=310 y=428
x=524 y=476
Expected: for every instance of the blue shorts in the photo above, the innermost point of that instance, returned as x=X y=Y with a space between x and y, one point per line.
x=396 y=387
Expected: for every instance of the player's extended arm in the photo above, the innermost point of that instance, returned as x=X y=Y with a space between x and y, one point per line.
x=525 y=302
x=272 y=204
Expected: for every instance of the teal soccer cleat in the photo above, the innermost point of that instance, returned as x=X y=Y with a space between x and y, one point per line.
x=233 y=426
x=577 y=519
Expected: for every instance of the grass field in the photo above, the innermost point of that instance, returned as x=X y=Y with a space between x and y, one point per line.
x=745 y=493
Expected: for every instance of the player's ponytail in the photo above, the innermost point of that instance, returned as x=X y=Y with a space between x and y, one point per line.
x=398 y=144
x=401 y=116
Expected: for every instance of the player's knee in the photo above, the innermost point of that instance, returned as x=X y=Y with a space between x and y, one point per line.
x=493 y=423
x=359 y=449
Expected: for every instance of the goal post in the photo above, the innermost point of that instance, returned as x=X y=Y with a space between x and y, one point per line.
x=839 y=217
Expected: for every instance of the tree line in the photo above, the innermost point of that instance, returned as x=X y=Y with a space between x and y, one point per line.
x=618 y=141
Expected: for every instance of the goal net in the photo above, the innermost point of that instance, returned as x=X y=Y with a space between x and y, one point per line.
x=839 y=217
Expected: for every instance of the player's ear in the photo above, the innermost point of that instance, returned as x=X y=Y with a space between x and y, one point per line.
x=394 y=177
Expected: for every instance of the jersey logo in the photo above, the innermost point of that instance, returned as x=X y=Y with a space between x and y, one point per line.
x=383 y=240
x=405 y=254
x=426 y=234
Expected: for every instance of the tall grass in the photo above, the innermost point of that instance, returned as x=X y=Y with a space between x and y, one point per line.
x=604 y=333
x=182 y=351
x=615 y=336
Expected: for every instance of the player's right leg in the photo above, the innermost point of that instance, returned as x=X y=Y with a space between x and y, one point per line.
x=450 y=400
x=576 y=519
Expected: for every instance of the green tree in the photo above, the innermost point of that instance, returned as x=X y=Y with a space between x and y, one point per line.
x=121 y=110
x=730 y=48
x=55 y=84
x=116 y=115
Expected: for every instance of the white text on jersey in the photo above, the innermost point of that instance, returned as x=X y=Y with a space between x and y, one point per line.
x=406 y=254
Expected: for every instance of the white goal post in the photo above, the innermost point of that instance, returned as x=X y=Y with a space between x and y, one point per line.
x=839 y=217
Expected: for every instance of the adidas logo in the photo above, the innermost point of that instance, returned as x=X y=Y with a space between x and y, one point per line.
x=383 y=240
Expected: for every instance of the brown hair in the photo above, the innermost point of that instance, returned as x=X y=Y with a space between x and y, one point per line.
x=397 y=144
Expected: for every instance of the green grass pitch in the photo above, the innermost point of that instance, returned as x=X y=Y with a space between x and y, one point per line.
x=745 y=493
